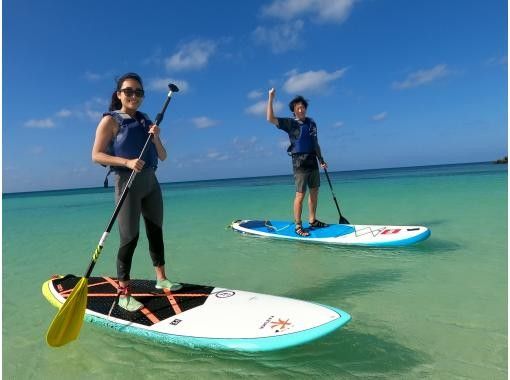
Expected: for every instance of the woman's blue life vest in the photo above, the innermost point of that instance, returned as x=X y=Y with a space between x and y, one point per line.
x=304 y=139
x=129 y=141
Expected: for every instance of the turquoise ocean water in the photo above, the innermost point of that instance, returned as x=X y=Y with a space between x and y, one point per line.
x=435 y=310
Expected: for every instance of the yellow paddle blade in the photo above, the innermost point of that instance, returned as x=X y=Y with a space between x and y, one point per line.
x=66 y=325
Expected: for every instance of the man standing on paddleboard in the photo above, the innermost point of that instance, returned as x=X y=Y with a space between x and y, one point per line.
x=305 y=151
x=120 y=138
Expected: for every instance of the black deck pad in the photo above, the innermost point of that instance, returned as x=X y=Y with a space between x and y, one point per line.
x=159 y=305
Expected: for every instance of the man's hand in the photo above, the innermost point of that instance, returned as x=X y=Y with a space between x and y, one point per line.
x=272 y=93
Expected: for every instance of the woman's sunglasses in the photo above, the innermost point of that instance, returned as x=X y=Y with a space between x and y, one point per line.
x=129 y=92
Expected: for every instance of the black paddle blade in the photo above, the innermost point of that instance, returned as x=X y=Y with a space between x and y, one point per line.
x=343 y=221
x=172 y=87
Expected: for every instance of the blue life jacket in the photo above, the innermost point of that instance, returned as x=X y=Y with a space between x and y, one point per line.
x=132 y=135
x=304 y=140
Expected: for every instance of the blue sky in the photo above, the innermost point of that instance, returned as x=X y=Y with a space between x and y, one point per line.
x=390 y=82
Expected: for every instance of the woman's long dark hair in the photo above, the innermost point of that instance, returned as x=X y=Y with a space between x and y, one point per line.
x=115 y=103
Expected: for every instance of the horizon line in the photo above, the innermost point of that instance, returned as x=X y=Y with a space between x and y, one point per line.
x=246 y=178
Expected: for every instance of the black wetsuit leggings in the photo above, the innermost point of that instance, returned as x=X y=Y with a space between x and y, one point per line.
x=144 y=198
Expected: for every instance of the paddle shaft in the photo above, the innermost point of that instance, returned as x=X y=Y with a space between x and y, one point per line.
x=342 y=219
x=125 y=192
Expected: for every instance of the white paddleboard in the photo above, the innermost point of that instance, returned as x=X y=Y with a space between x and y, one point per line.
x=204 y=316
x=344 y=234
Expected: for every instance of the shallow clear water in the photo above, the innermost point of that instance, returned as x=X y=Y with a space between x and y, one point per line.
x=437 y=309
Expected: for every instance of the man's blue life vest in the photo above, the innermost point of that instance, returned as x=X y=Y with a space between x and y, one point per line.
x=132 y=135
x=303 y=141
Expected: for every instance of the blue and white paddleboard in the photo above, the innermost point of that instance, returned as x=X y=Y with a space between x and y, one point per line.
x=203 y=316
x=345 y=234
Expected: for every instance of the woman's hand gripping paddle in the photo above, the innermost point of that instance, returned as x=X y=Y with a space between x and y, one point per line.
x=341 y=220
x=66 y=325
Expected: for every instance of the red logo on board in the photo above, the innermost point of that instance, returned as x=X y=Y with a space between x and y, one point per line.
x=280 y=325
x=391 y=231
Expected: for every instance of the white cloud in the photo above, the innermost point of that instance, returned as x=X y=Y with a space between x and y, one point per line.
x=155 y=58
x=191 y=56
x=260 y=108
x=213 y=155
x=255 y=94
x=287 y=35
x=159 y=84
x=338 y=124
x=40 y=123
x=243 y=146
x=237 y=141
x=92 y=76
x=287 y=9
x=336 y=11
x=92 y=109
x=422 y=77
x=380 y=116
x=64 y=113
x=203 y=122
x=94 y=115
x=497 y=61
x=95 y=107
x=310 y=81
x=280 y=38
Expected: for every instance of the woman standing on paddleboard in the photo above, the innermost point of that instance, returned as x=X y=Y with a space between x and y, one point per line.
x=120 y=137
